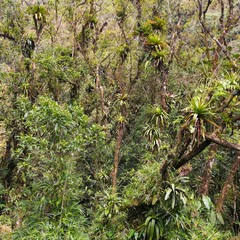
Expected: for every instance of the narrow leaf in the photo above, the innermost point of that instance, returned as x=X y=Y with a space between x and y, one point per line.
x=173 y=201
x=168 y=192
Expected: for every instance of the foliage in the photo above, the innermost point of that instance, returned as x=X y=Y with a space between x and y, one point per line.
x=152 y=228
x=113 y=117
x=200 y=114
x=48 y=156
x=145 y=185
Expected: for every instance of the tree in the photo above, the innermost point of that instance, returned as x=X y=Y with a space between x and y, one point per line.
x=97 y=97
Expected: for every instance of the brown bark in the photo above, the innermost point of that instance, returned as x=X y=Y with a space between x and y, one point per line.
x=229 y=100
x=177 y=162
x=163 y=92
x=225 y=26
x=209 y=139
x=119 y=76
x=179 y=158
x=39 y=25
x=8 y=148
x=120 y=132
x=228 y=183
x=223 y=142
x=188 y=156
x=204 y=186
x=100 y=89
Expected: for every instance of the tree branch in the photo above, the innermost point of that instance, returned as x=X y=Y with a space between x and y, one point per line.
x=223 y=142
x=209 y=139
x=206 y=9
x=208 y=31
x=9 y=37
x=228 y=101
x=187 y=157
x=236 y=118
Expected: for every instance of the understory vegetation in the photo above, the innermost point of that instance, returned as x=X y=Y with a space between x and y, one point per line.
x=119 y=119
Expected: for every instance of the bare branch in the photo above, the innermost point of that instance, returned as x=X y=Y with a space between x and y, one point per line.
x=229 y=100
x=221 y=19
x=187 y=157
x=209 y=139
x=206 y=9
x=221 y=43
x=230 y=14
x=7 y=36
x=223 y=142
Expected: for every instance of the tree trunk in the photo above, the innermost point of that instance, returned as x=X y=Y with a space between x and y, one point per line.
x=100 y=89
x=163 y=92
x=116 y=156
x=204 y=187
x=228 y=183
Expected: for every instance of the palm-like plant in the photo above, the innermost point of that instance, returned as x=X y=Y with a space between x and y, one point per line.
x=157 y=115
x=175 y=193
x=156 y=120
x=121 y=119
x=153 y=40
x=158 y=24
x=110 y=205
x=199 y=113
x=122 y=100
x=153 y=134
x=152 y=228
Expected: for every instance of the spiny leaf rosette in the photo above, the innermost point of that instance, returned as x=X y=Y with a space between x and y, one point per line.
x=200 y=116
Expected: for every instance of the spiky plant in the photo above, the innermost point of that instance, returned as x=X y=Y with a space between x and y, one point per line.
x=158 y=24
x=157 y=115
x=199 y=115
x=156 y=121
x=154 y=40
x=152 y=228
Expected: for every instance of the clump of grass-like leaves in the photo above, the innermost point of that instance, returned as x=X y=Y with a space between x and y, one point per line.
x=200 y=115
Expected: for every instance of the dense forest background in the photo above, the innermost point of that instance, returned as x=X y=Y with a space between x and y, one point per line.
x=119 y=119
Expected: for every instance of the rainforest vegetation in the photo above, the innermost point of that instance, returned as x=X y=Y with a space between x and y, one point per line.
x=119 y=119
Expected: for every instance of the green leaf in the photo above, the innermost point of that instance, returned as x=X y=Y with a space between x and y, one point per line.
x=157 y=231
x=147 y=220
x=147 y=64
x=191 y=129
x=220 y=218
x=173 y=201
x=152 y=228
x=161 y=226
x=183 y=198
x=106 y=211
x=213 y=217
x=168 y=192
x=207 y=201
x=155 y=199
x=198 y=205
